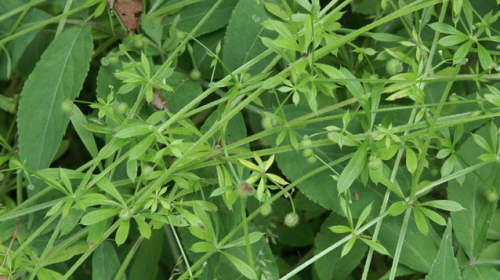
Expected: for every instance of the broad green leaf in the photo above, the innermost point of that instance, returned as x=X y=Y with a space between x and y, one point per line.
x=460 y=56
x=470 y=226
x=353 y=169
x=331 y=266
x=48 y=274
x=105 y=262
x=98 y=215
x=67 y=253
x=433 y=215
x=145 y=264
x=239 y=48
x=58 y=76
x=185 y=90
x=134 y=130
x=364 y=215
x=419 y=250
x=242 y=266
x=480 y=272
x=14 y=49
x=445 y=266
x=191 y=15
x=340 y=229
x=411 y=160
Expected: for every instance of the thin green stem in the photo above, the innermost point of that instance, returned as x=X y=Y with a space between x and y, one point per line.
x=248 y=245
x=128 y=258
x=399 y=247
x=62 y=22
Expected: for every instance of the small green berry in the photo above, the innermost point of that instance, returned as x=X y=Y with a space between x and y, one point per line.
x=104 y=61
x=307 y=153
x=394 y=66
x=268 y=122
x=138 y=42
x=122 y=108
x=113 y=59
x=291 y=219
x=491 y=195
x=244 y=189
x=375 y=163
x=312 y=159
x=147 y=171
x=125 y=214
x=195 y=74
x=266 y=209
x=67 y=106
x=306 y=142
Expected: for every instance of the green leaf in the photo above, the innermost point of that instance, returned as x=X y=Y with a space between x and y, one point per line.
x=144 y=228
x=105 y=262
x=98 y=215
x=434 y=216
x=364 y=215
x=398 y=208
x=79 y=122
x=240 y=49
x=470 y=226
x=480 y=272
x=421 y=221
x=376 y=246
x=331 y=266
x=444 y=28
x=419 y=250
x=452 y=40
x=16 y=48
x=202 y=247
x=140 y=148
x=191 y=15
x=105 y=184
x=348 y=246
x=340 y=229
x=447 y=205
x=353 y=169
x=122 y=232
x=58 y=76
x=445 y=266
x=134 y=130
x=460 y=55
x=48 y=274
x=411 y=160
x=253 y=237
x=484 y=57
x=242 y=266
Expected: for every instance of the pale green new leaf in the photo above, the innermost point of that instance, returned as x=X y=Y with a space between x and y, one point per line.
x=353 y=169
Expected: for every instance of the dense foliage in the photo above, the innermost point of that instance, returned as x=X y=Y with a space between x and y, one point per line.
x=259 y=139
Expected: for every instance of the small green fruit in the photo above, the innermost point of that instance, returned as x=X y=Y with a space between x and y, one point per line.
x=113 y=59
x=375 y=164
x=195 y=74
x=126 y=214
x=104 y=61
x=244 y=189
x=147 y=171
x=491 y=195
x=307 y=153
x=291 y=219
x=312 y=159
x=306 y=142
x=394 y=66
x=266 y=209
x=122 y=108
x=268 y=122
x=67 y=106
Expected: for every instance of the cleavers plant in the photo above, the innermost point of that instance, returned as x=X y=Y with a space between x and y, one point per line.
x=249 y=139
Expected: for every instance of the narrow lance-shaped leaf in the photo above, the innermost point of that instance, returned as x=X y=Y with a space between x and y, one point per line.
x=353 y=168
x=58 y=76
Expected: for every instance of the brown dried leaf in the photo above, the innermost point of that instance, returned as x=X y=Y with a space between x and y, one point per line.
x=158 y=102
x=129 y=12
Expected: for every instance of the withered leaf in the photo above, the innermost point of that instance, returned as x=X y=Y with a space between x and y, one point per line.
x=158 y=102
x=129 y=12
